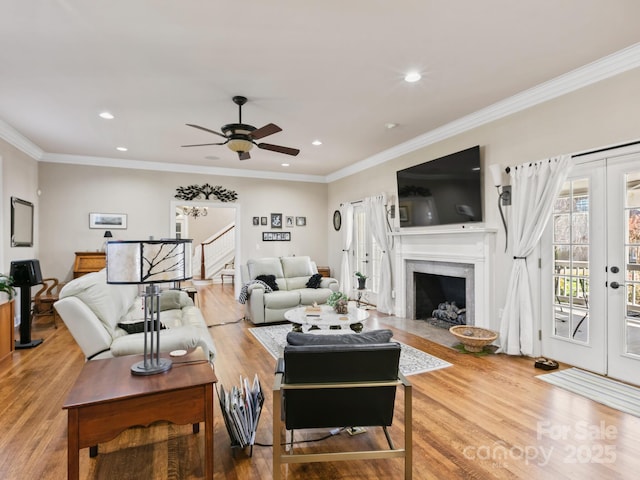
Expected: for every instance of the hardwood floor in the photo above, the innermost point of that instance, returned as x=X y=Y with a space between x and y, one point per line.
x=484 y=417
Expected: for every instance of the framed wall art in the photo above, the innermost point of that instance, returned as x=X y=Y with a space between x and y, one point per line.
x=21 y=223
x=108 y=221
x=276 y=220
x=301 y=221
x=263 y=220
x=256 y=220
x=289 y=221
x=276 y=236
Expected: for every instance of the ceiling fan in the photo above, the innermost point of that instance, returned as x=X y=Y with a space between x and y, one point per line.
x=241 y=137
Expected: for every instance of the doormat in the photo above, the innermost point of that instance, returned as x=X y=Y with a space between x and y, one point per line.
x=606 y=391
x=412 y=361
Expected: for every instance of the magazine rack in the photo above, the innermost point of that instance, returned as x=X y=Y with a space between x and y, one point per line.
x=241 y=407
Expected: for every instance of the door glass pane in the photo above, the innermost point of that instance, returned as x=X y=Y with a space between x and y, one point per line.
x=571 y=261
x=632 y=268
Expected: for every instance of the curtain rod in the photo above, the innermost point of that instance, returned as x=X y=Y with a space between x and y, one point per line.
x=597 y=150
x=605 y=149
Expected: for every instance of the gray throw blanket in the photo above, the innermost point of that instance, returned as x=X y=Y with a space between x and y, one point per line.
x=244 y=291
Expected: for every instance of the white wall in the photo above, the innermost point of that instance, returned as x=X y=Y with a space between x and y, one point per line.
x=71 y=192
x=599 y=115
x=19 y=175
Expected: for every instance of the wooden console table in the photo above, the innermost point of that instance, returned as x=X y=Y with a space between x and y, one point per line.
x=99 y=410
x=7 y=333
x=87 y=262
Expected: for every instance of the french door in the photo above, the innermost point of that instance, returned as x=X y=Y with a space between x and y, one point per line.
x=366 y=252
x=591 y=270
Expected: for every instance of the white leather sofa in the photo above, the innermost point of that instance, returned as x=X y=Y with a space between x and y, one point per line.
x=291 y=276
x=92 y=309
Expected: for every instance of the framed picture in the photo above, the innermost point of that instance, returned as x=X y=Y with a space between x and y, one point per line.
x=289 y=221
x=108 y=221
x=263 y=220
x=21 y=223
x=276 y=236
x=256 y=220
x=301 y=221
x=276 y=220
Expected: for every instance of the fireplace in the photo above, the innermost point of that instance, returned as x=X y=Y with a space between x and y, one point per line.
x=464 y=253
x=440 y=296
x=430 y=283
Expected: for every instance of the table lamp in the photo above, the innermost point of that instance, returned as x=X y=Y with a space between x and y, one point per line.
x=149 y=262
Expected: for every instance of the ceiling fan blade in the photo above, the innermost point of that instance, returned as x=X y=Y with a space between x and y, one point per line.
x=268 y=129
x=279 y=149
x=244 y=155
x=203 y=144
x=206 y=130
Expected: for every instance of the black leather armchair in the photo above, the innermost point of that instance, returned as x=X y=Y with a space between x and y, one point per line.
x=328 y=386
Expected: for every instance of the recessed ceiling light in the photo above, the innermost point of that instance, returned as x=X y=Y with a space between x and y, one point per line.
x=389 y=126
x=122 y=149
x=412 y=77
x=106 y=116
x=316 y=143
x=285 y=164
x=211 y=157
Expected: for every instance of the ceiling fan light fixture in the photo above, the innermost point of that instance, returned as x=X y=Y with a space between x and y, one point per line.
x=239 y=145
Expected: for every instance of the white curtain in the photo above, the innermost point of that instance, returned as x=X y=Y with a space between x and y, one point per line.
x=346 y=210
x=375 y=211
x=534 y=190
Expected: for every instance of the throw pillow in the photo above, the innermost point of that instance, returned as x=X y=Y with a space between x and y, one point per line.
x=269 y=280
x=170 y=300
x=314 y=281
x=136 y=327
x=374 y=336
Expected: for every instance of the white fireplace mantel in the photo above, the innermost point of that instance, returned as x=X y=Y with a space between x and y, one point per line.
x=475 y=246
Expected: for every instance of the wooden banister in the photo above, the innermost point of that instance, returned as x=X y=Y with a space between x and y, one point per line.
x=202 y=262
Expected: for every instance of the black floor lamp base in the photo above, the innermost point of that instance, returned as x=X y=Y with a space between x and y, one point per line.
x=31 y=344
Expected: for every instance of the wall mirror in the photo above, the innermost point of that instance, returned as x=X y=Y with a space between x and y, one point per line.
x=21 y=223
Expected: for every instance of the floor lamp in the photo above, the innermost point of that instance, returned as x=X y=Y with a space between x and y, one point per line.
x=149 y=262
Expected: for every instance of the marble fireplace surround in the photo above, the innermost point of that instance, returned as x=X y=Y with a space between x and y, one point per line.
x=461 y=252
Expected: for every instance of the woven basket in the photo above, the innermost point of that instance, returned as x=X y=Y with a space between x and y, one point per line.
x=474 y=339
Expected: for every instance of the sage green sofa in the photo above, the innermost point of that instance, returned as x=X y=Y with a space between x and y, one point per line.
x=291 y=276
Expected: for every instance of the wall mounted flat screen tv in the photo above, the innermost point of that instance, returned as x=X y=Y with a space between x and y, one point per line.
x=447 y=190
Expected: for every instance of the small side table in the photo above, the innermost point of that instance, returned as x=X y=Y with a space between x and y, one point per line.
x=362 y=296
x=192 y=292
x=99 y=410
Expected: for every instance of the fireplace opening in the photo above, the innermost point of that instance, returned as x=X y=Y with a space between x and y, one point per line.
x=440 y=299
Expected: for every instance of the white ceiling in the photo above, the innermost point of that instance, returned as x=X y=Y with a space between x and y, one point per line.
x=330 y=70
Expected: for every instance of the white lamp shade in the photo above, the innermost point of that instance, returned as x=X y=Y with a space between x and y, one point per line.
x=148 y=261
x=496 y=174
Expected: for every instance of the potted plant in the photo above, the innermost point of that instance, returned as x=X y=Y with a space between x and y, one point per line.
x=362 y=280
x=338 y=301
x=6 y=285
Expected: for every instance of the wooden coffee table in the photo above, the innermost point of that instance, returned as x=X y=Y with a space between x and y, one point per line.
x=107 y=399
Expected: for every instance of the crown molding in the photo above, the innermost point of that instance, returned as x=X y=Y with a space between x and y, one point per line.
x=606 y=67
x=177 y=168
x=15 y=138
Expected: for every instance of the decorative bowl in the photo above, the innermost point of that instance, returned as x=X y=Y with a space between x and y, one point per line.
x=474 y=339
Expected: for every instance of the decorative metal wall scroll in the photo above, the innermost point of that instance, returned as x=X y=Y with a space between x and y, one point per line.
x=193 y=192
